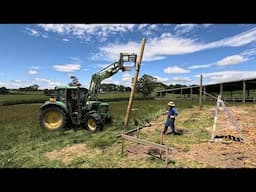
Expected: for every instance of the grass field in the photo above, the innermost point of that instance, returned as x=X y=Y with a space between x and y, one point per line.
x=19 y=99
x=24 y=143
x=39 y=97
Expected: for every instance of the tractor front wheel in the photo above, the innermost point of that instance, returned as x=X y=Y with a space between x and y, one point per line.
x=92 y=124
x=52 y=118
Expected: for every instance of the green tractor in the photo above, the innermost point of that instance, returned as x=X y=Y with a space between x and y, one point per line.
x=80 y=106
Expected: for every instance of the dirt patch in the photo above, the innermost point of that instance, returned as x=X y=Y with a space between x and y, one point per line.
x=137 y=151
x=69 y=153
x=232 y=154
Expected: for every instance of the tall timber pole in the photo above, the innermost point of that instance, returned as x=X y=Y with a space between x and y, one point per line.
x=201 y=92
x=135 y=79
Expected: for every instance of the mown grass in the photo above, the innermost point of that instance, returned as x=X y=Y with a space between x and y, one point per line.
x=23 y=143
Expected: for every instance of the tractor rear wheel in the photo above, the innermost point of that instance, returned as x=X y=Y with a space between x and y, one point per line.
x=52 y=118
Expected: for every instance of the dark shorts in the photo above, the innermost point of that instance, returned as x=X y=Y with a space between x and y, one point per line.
x=170 y=122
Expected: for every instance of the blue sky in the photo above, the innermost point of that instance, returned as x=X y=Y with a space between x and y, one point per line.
x=47 y=54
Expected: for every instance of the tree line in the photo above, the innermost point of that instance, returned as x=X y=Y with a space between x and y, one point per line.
x=145 y=86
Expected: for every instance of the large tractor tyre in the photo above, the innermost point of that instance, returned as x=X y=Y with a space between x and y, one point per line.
x=92 y=124
x=109 y=120
x=52 y=118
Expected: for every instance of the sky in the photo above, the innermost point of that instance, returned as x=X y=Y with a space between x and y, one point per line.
x=48 y=54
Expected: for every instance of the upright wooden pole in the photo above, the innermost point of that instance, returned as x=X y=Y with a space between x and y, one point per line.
x=135 y=79
x=201 y=92
x=191 y=93
x=215 y=118
x=244 y=89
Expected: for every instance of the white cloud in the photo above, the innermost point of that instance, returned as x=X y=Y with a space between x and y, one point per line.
x=102 y=65
x=167 y=44
x=225 y=76
x=35 y=33
x=240 y=39
x=110 y=80
x=206 y=25
x=15 y=84
x=184 y=28
x=249 y=52
x=67 y=67
x=66 y=40
x=17 y=81
x=2 y=84
x=175 y=80
x=32 y=72
x=45 y=83
x=182 y=79
x=161 y=79
x=142 y=26
x=84 y=69
x=127 y=77
x=152 y=26
x=232 y=60
x=85 y=31
x=201 y=66
x=75 y=60
x=175 y=69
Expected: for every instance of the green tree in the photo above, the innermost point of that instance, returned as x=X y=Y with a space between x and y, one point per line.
x=3 y=90
x=146 y=85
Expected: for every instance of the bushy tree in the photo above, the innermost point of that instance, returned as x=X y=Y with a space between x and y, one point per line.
x=3 y=90
x=146 y=85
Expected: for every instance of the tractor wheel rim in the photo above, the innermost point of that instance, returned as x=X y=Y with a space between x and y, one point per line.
x=92 y=124
x=53 y=120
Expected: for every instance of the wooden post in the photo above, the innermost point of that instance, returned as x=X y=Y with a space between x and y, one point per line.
x=244 y=89
x=166 y=158
x=215 y=118
x=232 y=120
x=122 y=151
x=201 y=91
x=181 y=94
x=161 y=142
x=221 y=89
x=138 y=131
x=127 y=116
x=204 y=94
x=191 y=93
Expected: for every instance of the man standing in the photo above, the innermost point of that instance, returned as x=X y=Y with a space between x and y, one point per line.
x=171 y=114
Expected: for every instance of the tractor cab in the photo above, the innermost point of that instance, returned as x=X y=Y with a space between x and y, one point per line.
x=70 y=93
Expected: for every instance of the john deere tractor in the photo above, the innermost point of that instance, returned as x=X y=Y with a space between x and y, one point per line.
x=78 y=105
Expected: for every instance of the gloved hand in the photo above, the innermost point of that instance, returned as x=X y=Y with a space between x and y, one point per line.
x=172 y=116
x=164 y=113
